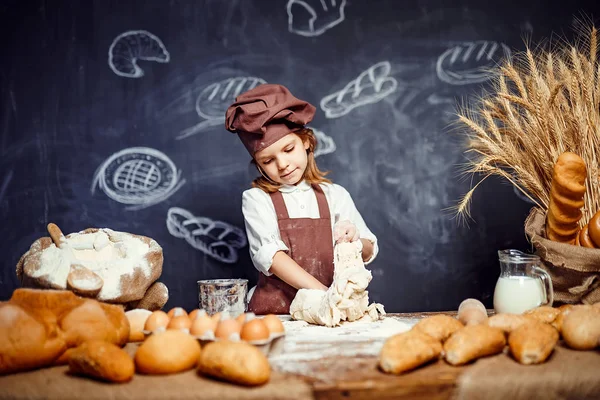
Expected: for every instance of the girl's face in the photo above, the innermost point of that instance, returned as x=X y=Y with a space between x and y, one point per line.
x=285 y=160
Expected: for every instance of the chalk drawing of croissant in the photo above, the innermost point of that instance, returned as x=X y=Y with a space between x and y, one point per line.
x=216 y=239
x=370 y=86
x=129 y=47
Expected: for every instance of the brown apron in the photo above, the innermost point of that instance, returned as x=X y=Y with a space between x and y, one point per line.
x=311 y=246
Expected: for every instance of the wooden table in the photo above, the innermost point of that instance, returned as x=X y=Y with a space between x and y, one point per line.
x=568 y=374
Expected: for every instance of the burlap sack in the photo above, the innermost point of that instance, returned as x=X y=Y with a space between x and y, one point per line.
x=575 y=270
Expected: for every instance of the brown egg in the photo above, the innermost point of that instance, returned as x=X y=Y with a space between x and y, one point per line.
x=226 y=328
x=202 y=324
x=241 y=319
x=216 y=317
x=273 y=323
x=176 y=311
x=179 y=322
x=194 y=313
x=254 y=329
x=158 y=319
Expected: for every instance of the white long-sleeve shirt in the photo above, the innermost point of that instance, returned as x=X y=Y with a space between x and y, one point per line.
x=262 y=229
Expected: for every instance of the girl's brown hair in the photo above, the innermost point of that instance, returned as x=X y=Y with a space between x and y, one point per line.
x=312 y=174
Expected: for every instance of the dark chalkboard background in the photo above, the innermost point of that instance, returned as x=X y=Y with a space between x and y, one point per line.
x=64 y=112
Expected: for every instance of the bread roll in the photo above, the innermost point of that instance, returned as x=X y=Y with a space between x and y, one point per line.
x=507 y=322
x=532 y=342
x=137 y=319
x=581 y=328
x=566 y=198
x=563 y=311
x=236 y=362
x=167 y=352
x=26 y=343
x=583 y=239
x=472 y=342
x=439 y=326
x=408 y=350
x=594 y=229
x=544 y=314
x=471 y=312
x=101 y=360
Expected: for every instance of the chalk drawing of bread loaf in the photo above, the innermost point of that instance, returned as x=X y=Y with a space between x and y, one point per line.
x=566 y=198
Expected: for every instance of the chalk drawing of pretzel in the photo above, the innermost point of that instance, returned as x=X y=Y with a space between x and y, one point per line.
x=216 y=239
x=370 y=86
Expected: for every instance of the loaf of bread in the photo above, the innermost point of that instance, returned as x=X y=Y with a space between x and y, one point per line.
x=101 y=360
x=566 y=198
x=563 y=311
x=439 y=326
x=507 y=322
x=472 y=342
x=408 y=350
x=38 y=326
x=167 y=352
x=236 y=362
x=581 y=328
x=532 y=342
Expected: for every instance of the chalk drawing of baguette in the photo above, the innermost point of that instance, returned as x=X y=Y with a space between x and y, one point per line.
x=214 y=99
x=216 y=239
x=369 y=87
x=470 y=62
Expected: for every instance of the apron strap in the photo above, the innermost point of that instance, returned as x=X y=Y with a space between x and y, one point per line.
x=321 y=202
x=280 y=208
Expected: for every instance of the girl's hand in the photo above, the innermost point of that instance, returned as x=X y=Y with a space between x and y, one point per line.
x=345 y=231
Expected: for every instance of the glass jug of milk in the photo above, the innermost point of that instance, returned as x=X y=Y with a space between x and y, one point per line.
x=522 y=284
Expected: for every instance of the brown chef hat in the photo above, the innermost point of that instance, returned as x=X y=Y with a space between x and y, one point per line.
x=265 y=114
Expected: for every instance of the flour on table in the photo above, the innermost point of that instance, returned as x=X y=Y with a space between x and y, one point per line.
x=304 y=342
x=110 y=254
x=347 y=299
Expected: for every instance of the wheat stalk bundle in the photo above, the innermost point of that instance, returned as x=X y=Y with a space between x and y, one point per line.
x=543 y=103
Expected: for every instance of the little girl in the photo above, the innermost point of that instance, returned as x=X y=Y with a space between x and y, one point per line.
x=293 y=214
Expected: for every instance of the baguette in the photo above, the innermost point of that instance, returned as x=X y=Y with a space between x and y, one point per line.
x=566 y=198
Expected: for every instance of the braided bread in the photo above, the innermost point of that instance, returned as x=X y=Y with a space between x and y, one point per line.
x=566 y=198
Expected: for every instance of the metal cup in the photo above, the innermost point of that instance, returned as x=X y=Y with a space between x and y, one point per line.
x=223 y=295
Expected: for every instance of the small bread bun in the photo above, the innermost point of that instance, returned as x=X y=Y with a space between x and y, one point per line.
x=101 y=360
x=583 y=239
x=532 y=342
x=408 y=350
x=581 y=328
x=167 y=352
x=594 y=229
x=236 y=362
x=439 y=327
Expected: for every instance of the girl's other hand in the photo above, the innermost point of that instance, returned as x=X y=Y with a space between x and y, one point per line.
x=345 y=231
